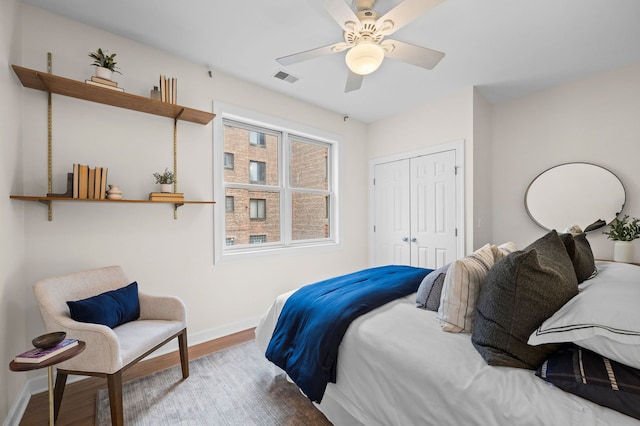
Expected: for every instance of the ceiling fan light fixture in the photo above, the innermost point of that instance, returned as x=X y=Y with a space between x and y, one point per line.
x=364 y=58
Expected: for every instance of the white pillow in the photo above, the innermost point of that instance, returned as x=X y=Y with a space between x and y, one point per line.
x=503 y=250
x=461 y=288
x=604 y=317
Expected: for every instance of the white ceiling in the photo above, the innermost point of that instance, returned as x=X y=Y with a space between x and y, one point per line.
x=506 y=48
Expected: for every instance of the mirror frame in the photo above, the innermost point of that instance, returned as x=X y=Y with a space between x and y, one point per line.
x=606 y=219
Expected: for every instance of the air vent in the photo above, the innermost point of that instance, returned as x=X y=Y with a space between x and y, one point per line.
x=286 y=76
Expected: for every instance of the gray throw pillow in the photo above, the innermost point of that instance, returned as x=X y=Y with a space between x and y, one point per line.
x=522 y=291
x=430 y=290
x=581 y=256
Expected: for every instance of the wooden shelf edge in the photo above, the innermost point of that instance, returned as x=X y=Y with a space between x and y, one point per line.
x=48 y=199
x=63 y=86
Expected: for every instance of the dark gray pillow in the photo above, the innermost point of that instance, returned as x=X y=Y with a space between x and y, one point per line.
x=594 y=377
x=522 y=291
x=430 y=290
x=581 y=256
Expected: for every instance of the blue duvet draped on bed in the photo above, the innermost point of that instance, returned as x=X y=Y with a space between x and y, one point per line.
x=314 y=319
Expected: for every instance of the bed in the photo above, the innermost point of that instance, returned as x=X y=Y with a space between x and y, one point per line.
x=398 y=367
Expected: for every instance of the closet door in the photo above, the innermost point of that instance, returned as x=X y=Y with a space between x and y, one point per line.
x=392 y=213
x=415 y=211
x=433 y=209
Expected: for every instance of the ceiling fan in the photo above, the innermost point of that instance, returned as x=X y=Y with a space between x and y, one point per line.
x=364 y=38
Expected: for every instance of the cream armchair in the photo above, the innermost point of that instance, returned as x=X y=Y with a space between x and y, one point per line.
x=109 y=351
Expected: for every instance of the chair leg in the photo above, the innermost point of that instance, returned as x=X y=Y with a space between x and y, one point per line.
x=184 y=353
x=58 y=391
x=114 y=383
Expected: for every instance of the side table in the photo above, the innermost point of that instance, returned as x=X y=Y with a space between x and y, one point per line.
x=49 y=363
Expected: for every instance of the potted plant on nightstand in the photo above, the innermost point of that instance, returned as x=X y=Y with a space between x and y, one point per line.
x=623 y=232
x=165 y=179
x=105 y=64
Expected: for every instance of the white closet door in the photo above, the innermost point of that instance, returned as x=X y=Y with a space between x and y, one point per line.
x=433 y=209
x=392 y=213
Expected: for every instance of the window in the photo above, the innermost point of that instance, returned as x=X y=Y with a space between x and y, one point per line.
x=229 y=203
x=257 y=139
x=228 y=160
x=257 y=239
x=291 y=177
x=257 y=172
x=257 y=209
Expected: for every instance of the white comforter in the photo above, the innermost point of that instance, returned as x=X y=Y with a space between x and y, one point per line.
x=396 y=367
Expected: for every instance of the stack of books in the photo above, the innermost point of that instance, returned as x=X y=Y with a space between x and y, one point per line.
x=168 y=89
x=173 y=197
x=89 y=184
x=102 y=82
x=37 y=355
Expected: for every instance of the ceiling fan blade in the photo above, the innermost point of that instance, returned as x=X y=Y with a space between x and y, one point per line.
x=341 y=13
x=354 y=82
x=404 y=13
x=312 y=53
x=416 y=55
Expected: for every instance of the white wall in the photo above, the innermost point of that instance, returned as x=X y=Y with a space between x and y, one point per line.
x=12 y=286
x=482 y=165
x=596 y=120
x=164 y=255
x=444 y=120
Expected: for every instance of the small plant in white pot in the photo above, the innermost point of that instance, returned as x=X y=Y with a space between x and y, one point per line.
x=105 y=64
x=623 y=232
x=165 y=179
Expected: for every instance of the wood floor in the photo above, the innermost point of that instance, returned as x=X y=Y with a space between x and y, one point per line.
x=79 y=401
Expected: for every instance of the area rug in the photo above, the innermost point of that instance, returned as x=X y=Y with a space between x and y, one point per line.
x=235 y=386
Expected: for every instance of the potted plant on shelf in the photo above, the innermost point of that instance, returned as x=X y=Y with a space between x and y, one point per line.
x=623 y=232
x=105 y=64
x=165 y=179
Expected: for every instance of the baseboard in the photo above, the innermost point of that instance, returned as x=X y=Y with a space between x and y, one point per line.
x=16 y=411
x=40 y=383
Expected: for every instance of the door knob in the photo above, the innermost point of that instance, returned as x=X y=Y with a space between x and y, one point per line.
x=414 y=240
x=405 y=239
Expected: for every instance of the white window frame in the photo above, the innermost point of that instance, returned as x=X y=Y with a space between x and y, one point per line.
x=226 y=112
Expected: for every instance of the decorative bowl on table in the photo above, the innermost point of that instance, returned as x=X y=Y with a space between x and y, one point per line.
x=49 y=340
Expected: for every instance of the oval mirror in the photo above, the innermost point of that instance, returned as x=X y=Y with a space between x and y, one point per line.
x=574 y=194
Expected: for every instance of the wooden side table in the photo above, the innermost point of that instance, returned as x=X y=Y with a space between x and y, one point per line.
x=49 y=363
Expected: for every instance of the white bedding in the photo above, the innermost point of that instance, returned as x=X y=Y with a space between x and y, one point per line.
x=397 y=367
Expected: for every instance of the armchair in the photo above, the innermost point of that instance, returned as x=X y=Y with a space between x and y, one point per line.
x=109 y=351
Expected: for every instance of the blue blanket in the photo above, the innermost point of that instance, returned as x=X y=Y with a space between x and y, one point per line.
x=314 y=319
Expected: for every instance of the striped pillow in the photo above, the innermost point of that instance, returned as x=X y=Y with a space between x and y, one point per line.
x=461 y=288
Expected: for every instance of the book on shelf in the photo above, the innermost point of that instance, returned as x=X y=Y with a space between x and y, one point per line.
x=76 y=175
x=96 y=183
x=103 y=183
x=91 y=187
x=104 y=81
x=37 y=355
x=106 y=86
x=167 y=196
x=83 y=181
x=168 y=89
x=89 y=183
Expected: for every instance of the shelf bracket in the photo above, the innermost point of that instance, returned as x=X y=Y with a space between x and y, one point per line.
x=49 y=141
x=175 y=162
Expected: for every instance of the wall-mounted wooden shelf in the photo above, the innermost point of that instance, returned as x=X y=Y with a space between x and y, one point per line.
x=49 y=199
x=51 y=83
x=80 y=90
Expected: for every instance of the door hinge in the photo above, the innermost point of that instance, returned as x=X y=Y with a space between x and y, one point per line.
x=455 y=170
x=456 y=232
x=374 y=228
x=374 y=181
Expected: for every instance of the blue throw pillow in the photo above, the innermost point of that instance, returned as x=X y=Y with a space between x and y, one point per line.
x=594 y=377
x=112 y=308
